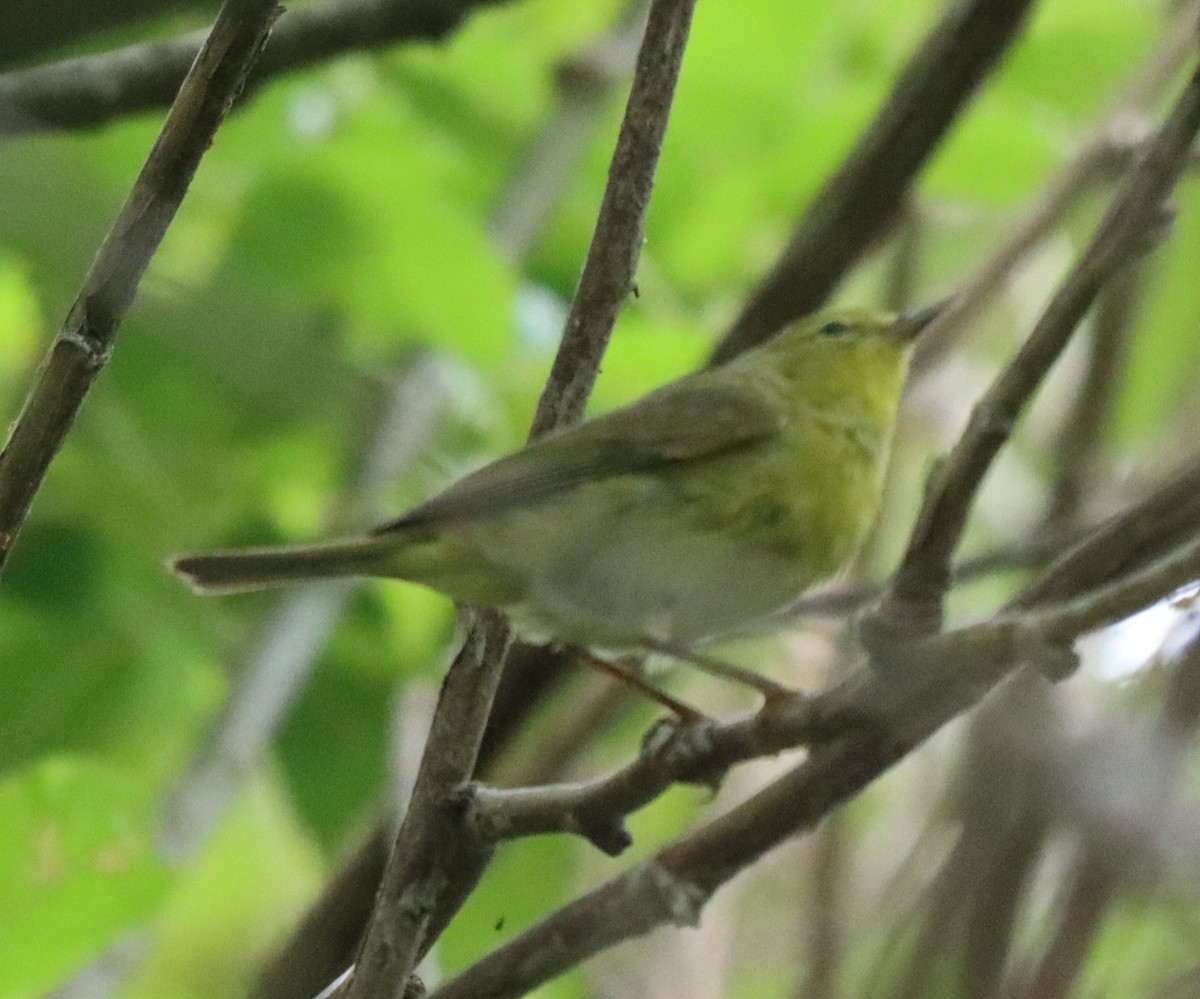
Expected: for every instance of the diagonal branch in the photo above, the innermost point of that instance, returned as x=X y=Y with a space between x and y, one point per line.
x=915 y=597
x=583 y=85
x=1083 y=436
x=1104 y=154
x=861 y=200
x=1122 y=543
x=91 y=91
x=436 y=862
x=86 y=338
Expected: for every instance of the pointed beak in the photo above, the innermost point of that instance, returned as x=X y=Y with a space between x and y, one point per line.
x=910 y=324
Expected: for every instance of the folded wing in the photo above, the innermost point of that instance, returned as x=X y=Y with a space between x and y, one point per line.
x=693 y=418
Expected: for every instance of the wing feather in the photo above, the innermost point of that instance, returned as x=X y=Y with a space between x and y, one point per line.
x=693 y=418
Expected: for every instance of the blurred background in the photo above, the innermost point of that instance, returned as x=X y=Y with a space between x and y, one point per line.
x=360 y=300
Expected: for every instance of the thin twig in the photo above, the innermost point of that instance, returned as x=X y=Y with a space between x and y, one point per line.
x=914 y=600
x=91 y=91
x=1081 y=439
x=1125 y=541
x=85 y=341
x=699 y=752
x=1026 y=553
x=612 y=258
x=860 y=201
x=1031 y=229
x=583 y=85
x=434 y=865
x=1106 y=605
x=1109 y=147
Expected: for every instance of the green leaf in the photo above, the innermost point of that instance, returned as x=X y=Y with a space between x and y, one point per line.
x=76 y=868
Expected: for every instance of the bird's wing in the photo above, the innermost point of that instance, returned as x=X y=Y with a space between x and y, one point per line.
x=694 y=418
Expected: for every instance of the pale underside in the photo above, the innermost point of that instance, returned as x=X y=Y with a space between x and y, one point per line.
x=617 y=575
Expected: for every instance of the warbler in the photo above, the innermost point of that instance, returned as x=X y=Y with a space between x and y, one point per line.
x=693 y=513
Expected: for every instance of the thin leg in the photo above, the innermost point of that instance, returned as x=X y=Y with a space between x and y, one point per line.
x=685 y=712
x=719 y=668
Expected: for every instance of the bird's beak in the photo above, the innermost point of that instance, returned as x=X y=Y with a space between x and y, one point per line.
x=909 y=325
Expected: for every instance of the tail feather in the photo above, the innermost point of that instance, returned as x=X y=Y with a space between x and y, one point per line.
x=246 y=569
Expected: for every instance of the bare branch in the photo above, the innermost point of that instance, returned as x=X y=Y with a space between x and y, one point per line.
x=31 y=30
x=91 y=91
x=1029 y=552
x=1123 y=542
x=617 y=242
x=1030 y=230
x=862 y=199
x=325 y=941
x=672 y=886
x=696 y=753
x=1082 y=437
x=435 y=863
x=1110 y=147
x=915 y=598
x=584 y=85
x=1106 y=605
x=85 y=340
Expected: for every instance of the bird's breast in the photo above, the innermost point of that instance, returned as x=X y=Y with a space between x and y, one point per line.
x=810 y=495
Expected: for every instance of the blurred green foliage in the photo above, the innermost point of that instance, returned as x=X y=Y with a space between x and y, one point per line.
x=341 y=219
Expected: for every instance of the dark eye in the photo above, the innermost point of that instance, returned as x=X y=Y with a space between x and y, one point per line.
x=834 y=328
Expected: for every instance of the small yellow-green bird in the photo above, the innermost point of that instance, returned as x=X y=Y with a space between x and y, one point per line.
x=708 y=505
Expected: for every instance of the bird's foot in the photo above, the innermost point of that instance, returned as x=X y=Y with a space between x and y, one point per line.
x=771 y=691
x=629 y=673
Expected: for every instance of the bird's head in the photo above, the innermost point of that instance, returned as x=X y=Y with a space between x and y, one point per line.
x=848 y=354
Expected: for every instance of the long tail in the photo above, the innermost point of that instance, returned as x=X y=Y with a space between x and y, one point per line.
x=245 y=569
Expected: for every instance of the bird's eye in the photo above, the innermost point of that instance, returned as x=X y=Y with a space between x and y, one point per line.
x=834 y=328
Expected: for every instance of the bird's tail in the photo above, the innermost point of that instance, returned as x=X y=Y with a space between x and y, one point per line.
x=245 y=569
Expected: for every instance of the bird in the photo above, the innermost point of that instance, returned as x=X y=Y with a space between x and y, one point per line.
x=693 y=514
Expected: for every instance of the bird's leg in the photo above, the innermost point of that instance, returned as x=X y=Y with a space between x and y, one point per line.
x=770 y=690
x=631 y=677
